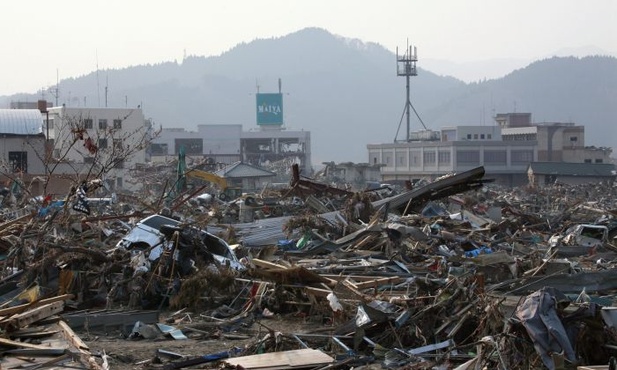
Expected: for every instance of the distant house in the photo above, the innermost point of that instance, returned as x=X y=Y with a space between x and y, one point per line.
x=246 y=176
x=545 y=173
x=23 y=146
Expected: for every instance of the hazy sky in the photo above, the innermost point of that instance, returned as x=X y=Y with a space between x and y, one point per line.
x=43 y=38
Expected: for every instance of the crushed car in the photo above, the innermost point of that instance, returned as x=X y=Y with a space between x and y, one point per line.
x=153 y=236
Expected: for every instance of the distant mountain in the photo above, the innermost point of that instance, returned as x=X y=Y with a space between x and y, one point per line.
x=475 y=71
x=346 y=92
x=489 y=69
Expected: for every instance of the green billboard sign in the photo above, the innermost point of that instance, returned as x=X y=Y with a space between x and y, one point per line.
x=269 y=109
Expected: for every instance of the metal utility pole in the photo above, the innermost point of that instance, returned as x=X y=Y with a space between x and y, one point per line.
x=406 y=66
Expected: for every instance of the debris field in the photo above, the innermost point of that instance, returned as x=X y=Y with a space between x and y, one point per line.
x=458 y=273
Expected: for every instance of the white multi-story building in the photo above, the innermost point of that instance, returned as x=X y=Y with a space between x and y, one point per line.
x=105 y=142
x=505 y=150
x=504 y=161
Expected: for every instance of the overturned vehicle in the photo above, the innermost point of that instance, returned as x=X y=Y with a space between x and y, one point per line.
x=173 y=263
x=156 y=235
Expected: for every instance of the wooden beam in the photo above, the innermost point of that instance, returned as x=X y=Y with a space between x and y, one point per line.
x=377 y=282
x=267 y=265
x=317 y=292
x=15 y=344
x=23 y=307
x=73 y=338
x=39 y=313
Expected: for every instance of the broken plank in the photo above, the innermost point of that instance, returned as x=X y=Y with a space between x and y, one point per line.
x=351 y=287
x=267 y=265
x=22 y=307
x=15 y=344
x=317 y=291
x=33 y=334
x=73 y=338
x=282 y=360
x=52 y=361
x=39 y=313
x=377 y=282
x=360 y=278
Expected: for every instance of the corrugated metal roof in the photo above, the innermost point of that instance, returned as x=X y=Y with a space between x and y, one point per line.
x=21 y=121
x=519 y=130
x=243 y=170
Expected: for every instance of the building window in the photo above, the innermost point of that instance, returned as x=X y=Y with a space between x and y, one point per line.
x=89 y=160
x=573 y=138
x=102 y=124
x=587 y=160
x=18 y=162
x=414 y=158
x=522 y=157
x=88 y=123
x=489 y=136
x=495 y=157
x=118 y=124
x=192 y=146
x=475 y=136
x=430 y=158
x=119 y=182
x=161 y=149
x=482 y=136
x=468 y=157
x=50 y=124
x=599 y=161
x=118 y=144
x=102 y=143
x=468 y=136
x=444 y=157
x=374 y=160
x=119 y=163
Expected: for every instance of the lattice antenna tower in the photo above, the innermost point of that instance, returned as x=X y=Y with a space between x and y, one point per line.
x=406 y=66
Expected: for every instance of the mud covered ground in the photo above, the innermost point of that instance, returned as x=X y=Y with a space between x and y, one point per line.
x=139 y=353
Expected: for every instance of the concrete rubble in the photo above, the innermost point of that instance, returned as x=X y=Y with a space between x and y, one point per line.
x=458 y=273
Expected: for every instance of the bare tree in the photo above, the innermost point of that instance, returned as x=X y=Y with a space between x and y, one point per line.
x=80 y=152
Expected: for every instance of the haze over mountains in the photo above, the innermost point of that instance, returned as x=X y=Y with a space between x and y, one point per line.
x=346 y=92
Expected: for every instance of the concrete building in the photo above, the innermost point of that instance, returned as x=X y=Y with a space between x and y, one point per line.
x=558 y=142
x=545 y=173
x=104 y=141
x=216 y=143
x=270 y=145
x=505 y=150
x=357 y=175
x=505 y=162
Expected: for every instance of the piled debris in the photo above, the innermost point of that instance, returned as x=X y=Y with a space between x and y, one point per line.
x=458 y=273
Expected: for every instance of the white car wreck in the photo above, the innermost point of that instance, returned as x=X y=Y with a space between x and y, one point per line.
x=153 y=235
x=583 y=235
